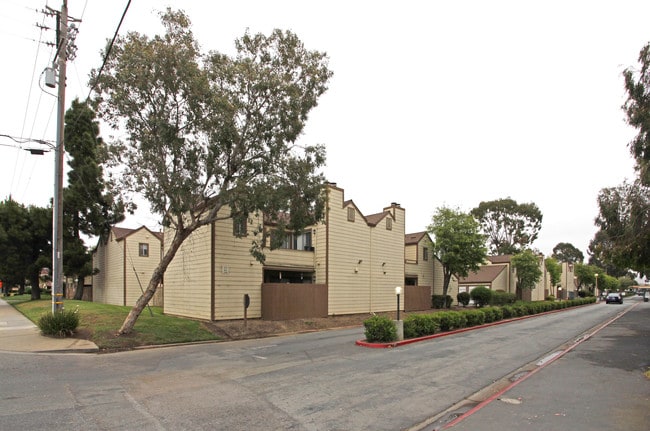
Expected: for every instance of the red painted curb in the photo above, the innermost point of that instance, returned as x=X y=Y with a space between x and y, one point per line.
x=364 y=343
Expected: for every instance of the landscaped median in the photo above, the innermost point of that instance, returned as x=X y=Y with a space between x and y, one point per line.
x=380 y=331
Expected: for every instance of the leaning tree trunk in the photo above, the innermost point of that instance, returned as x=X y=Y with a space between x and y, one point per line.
x=156 y=278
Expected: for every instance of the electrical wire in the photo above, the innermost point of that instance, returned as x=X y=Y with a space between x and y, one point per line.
x=110 y=47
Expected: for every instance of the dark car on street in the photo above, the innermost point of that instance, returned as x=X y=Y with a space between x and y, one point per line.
x=614 y=297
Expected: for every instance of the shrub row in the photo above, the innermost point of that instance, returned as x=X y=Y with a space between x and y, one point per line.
x=381 y=329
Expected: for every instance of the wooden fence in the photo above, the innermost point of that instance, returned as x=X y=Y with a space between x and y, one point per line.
x=285 y=301
x=417 y=298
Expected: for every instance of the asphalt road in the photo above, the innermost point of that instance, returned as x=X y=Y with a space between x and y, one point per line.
x=599 y=384
x=318 y=381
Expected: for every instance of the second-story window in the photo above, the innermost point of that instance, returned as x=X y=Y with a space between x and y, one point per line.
x=351 y=213
x=298 y=241
x=389 y=224
x=143 y=249
x=239 y=225
x=425 y=253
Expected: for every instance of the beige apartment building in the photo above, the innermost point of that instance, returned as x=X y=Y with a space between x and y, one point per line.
x=349 y=263
x=125 y=261
x=498 y=274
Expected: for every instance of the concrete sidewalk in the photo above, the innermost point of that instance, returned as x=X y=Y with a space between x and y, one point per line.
x=19 y=334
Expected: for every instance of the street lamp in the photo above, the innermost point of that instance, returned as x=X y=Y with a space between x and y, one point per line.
x=559 y=292
x=596 y=288
x=398 y=291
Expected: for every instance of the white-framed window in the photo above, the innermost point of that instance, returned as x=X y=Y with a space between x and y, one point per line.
x=298 y=241
x=143 y=249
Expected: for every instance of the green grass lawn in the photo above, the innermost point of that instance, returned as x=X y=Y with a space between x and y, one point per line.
x=100 y=323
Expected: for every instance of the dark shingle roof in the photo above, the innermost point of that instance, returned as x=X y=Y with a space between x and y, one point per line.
x=486 y=274
x=413 y=238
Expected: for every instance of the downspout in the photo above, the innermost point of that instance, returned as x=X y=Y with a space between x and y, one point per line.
x=124 y=273
x=371 y=272
x=213 y=265
x=327 y=246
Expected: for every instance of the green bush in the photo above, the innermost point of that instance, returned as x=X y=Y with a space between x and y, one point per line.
x=481 y=296
x=60 y=324
x=463 y=298
x=492 y=314
x=550 y=298
x=508 y=312
x=500 y=298
x=420 y=325
x=380 y=329
x=450 y=320
x=473 y=317
x=441 y=301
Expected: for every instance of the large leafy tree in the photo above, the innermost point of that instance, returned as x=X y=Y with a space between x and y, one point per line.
x=458 y=243
x=206 y=132
x=586 y=275
x=510 y=227
x=624 y=222
x=15 y=238
x=554 y=269
x=637 y=109
x=567 y=252
x=40 y=222
x=25 y=234
x=526 y=264
x=624 y=211
x=90 y=206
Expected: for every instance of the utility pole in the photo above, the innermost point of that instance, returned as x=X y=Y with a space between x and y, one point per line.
x=63 y=48
x=57 y=210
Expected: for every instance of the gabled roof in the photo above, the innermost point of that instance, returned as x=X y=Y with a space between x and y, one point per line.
x=504 y=258
x=414 y=238
x=122 y=232
x=486 y=274
x=374 y=219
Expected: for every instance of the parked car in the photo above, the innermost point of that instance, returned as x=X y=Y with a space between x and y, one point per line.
x=614 y=297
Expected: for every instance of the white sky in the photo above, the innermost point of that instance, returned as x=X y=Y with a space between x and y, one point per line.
x=432 y=102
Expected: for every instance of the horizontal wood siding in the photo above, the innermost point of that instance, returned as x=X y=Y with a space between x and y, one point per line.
x=284 y=301
x=108 y=284
x=411 y=253
x=365 y=263
x=422 y=269
x=139 y=269
x=237 y=273
x=187 y=279
x=349 y=242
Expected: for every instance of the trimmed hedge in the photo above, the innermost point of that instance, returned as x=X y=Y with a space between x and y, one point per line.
x=502 y=298
x=382 y=329
x=420 y=325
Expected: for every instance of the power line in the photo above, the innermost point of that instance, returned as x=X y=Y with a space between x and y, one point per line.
x=110 y=47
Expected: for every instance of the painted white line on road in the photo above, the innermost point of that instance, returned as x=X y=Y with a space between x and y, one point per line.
x=548 y=358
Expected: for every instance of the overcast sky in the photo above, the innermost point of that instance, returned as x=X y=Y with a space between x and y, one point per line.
x=432 y=103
